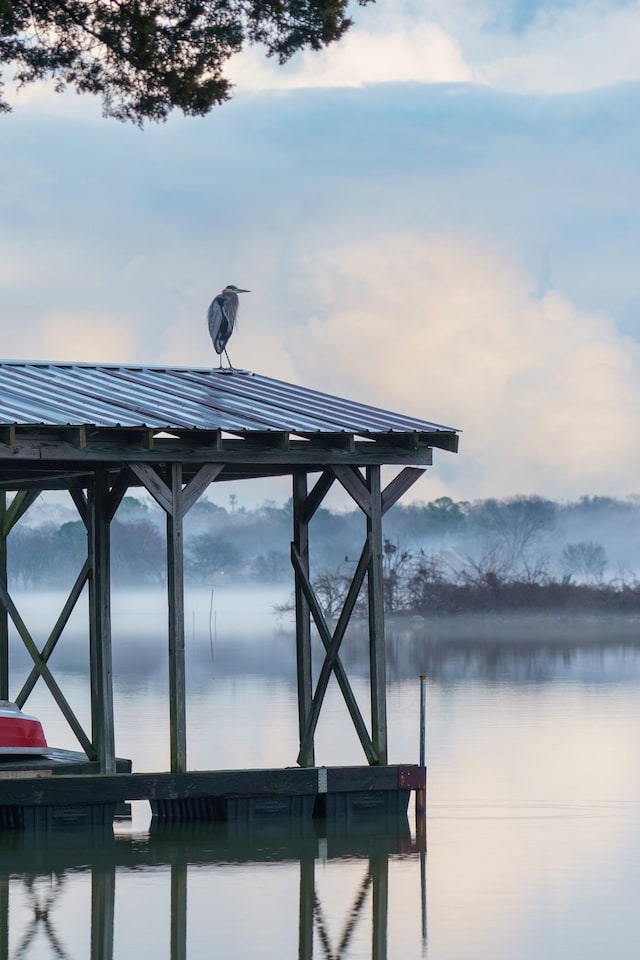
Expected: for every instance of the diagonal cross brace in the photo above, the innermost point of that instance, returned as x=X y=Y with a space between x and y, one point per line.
x=46 y=674
x=55 y=634
x=332 y=652
x=338 y=669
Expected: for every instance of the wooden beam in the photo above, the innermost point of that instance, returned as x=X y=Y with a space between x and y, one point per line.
x=80 y=501
x=154 y=484
x=99 y=550
x=315 y=452
x=8 y=434
x=55 y=634
x=198 y=484
x=399 y=486
x=18 y=507
x=338 y=669
x=322 y=486
x=303 y=616
x=333 y=650
x=46 y=674
x=175 y=589
x=377 y=655
x=118 y=492
x=272 y=439
x=355 y=486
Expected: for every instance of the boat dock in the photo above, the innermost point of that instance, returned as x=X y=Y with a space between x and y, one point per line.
x=45 y=798
x=97 y=430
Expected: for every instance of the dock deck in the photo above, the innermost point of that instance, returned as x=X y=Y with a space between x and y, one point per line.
x=50 y=795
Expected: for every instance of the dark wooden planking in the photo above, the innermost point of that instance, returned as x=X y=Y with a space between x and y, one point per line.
x=112 y=788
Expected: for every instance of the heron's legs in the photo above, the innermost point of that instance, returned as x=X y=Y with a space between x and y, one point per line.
x=228 y=361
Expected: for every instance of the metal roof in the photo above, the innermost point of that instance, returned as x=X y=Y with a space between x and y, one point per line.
x=178 y=398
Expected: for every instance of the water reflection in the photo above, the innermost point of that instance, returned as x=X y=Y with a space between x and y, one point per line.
x=342 y=878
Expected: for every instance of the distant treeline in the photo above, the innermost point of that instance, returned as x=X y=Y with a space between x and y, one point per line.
x=443 y=554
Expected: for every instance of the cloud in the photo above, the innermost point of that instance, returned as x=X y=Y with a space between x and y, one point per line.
x=424 y=54
x=527 y=47
x=584 y=47
x=446 y=328
x=81 y=336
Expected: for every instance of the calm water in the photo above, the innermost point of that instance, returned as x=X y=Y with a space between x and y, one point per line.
x=533 y=831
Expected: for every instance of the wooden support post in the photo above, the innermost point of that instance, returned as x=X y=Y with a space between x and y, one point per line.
x=102 y=719
x=175 y=587
x=377 y=663
x=103 y=900
x=4 y=616
x=303 y=617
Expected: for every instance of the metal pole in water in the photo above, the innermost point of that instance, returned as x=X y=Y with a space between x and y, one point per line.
x=421 y=792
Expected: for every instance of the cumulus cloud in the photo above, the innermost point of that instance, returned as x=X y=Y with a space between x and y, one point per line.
x=584 y=47
x=78 y=336
x=556 y=48
x=446 y=328
x=424 y=54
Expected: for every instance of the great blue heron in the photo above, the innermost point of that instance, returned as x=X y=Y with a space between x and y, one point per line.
x=222 y=319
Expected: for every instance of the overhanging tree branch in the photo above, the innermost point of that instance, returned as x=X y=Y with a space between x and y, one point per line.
x=147 y=57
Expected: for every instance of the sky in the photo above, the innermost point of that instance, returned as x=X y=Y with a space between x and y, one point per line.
x=439 y=215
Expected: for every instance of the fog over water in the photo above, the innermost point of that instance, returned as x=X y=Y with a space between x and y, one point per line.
x=533 y=789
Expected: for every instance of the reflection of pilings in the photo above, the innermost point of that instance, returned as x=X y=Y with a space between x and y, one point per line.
x=421 y=846
x=4 y=918
x=178 y=911
x=307 y=901
x=103 y=898
x=379 y=867
x=423 y=900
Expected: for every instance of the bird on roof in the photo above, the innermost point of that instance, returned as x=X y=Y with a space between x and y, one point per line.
x=221 y=316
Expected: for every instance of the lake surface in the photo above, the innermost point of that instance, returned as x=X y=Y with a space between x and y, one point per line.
x=533 y=826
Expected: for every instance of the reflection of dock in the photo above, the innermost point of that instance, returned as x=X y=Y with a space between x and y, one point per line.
x=61 y=857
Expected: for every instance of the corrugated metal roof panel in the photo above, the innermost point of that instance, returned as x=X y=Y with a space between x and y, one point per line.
x=157 y=398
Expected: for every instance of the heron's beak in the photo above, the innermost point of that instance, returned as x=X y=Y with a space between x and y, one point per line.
x=240 y=290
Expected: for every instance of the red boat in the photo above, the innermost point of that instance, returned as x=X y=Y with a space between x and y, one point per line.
x=20 y=733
